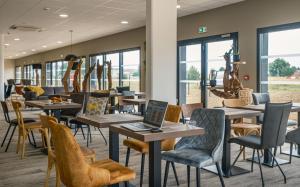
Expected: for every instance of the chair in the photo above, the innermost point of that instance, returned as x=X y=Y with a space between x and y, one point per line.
x=12 y=123
x=293 y=137
x=24 y=128
x=272 y=134
x=123 y=106
x=200 y=151
x=121 y=89
x=187 y=110
x=238 y=127
x=263 y=98
x=75 y=171
x=89 y=154
x=173 y=114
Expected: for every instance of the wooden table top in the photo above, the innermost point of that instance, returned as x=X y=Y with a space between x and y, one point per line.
x=108 y=119
x=169 y=130
x=135 y=101
x=43 y=104
x=261 y=107
x=234 y=113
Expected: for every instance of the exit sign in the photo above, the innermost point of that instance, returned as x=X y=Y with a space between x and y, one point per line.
x=202 y=29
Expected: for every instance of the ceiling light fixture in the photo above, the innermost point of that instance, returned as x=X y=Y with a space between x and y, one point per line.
x=63 y=15
x=59 y=42
x=33 y=50
x=71 y=57
x=24 y=52
x=6 y=44
x=124 y=22
x=17 y=39
x=17 y=54
x=44 y=46
x=178 y=6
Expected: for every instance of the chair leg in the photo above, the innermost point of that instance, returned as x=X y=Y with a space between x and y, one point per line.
x=57 y=182
x=291 y=152
x=252 y=160
x=23 y=147
x=82 y=132
x=175 y=173
x=275 y=151
x=236 y=159
x=278 y=166
x=33 y=139
x=6 y=135
x=102 y=136
x=88 y=136
x=12 y=134
x=220 y=174
x=49 y=167
x=198 y=181
x=18 y=144
x=142 y=170
x=76 y=130
x=127 y=157
x=126 y=184
x=166 y=173
x=261 y=174
x=188 y=175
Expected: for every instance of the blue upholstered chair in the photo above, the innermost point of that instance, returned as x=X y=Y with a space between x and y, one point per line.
x=200 y=151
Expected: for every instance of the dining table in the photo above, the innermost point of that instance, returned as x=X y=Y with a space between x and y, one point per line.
x=267 y=160
x=169 y=130
x=137 y=101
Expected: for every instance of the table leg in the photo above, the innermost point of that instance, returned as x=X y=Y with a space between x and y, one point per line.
x=154 y=164
x=298 y=127
x=114 y=149
x=142 y=109
x=113 y=105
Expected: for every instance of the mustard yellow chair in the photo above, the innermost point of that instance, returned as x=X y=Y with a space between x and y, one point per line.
x=24 y=128
x=89 y=154
x=173 y=115
x=75 y=171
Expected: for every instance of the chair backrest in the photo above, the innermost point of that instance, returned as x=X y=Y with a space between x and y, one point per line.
x=274 y=124
x=8 y=91
x=76 y=98
x=96 y=106
x=260 y=98
x=187 y=109
x=73 y=169
x=5 y=111
x=124 y=88
x=45 y=120
x=17 y=108
x=173 y=113
x=213 y=122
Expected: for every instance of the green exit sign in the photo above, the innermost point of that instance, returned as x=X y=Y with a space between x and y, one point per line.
x=202 y=29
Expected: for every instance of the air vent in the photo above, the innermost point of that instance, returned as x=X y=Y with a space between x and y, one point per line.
x=25 y=28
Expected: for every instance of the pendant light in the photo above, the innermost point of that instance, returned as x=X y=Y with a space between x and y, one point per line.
x=71 y=57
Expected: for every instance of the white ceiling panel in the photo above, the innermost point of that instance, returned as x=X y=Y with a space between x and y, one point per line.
x=88 y=18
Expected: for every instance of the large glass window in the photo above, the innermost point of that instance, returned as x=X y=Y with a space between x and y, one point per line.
x=18 y=73
x=30 y=74
x=279 y=62
x=125 y=69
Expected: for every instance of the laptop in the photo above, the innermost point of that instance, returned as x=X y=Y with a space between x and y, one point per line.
x=153 y=119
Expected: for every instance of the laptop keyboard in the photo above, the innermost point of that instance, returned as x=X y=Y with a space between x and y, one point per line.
x=140 y=126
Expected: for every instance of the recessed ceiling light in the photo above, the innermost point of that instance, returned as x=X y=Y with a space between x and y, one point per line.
x=124 y=22
x=33 y=50
x=178 y=6
x=44 y=46
x=46 y=8
x=59 y=42
x=24 y=52
x=17 y=54
x=63 y=15
x=6 y=44
x=17 y=39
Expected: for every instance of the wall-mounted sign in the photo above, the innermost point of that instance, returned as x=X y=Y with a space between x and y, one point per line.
x=202 y=29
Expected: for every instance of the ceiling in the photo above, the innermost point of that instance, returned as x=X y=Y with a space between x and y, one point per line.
x=88 y=19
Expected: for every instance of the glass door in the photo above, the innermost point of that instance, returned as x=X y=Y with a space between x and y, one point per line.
x=197 y=60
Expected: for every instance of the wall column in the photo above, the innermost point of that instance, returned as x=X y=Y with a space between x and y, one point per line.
x=161 y=56
x=2 y=67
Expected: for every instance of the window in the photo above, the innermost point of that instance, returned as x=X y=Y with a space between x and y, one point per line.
x=279 y=62
x=18 y=73
x=30 y=74
x=125 y=69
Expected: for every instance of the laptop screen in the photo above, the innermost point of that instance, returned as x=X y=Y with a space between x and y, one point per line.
x=155 y=112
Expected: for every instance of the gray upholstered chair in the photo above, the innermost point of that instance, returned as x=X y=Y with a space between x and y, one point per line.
x=263 y=98
x=200 y=151
x=272 y=134
x=293 y=137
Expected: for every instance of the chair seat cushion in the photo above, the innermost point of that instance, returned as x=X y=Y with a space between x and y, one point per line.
x=136 y=145
x=191 y=157
x=293 y=136
x=292 y=122
x=26 y=120
x=248 y=141
x=166 y=145
x=118 y=173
